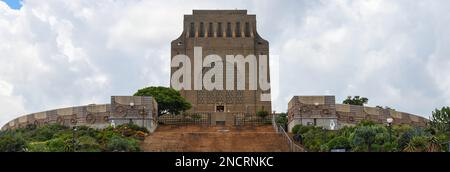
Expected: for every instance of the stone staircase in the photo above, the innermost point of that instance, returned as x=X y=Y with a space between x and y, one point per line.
x=214 y=139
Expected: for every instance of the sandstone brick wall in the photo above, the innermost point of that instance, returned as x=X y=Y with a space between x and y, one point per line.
x=95 y=116
x=91 y=115
x=209 y=29
x=317 y=109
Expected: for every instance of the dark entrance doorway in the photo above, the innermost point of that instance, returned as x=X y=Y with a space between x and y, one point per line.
x=220 y=108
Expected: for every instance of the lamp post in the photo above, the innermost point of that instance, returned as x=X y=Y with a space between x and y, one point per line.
x=389 y=122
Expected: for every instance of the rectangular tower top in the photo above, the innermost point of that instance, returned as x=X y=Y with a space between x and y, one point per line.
x=194 y=12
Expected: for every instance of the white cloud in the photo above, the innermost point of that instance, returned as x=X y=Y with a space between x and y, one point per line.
x=64 y=53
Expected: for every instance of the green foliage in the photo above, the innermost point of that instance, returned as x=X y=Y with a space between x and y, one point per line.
x=122 y=144
x=417 y=144
x=12 y=143
x=365 y=136
x=262 y=113
x=133 y=127
x=357 y=100
x=366 y=123
x=340 y=142
x=46 y=132
x=368 y=136
x=315 y=138
x=296 y=129
x=37 y=147
x=169 y=100
x=57 y=138
x=88 y=144
x=281 y=119
x=196 y=116
x=440 y=120
x=60 y=144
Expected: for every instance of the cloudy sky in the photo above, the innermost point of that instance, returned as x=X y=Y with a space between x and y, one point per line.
x=57 y=53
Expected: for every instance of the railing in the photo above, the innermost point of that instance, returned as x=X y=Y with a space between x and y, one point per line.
x=292 y=146
x=274 y=123
x=186 y=119
x=243 y=119
x=280 y=130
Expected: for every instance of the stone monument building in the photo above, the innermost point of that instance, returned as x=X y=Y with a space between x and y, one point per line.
x=222 y=32
x=323 y=111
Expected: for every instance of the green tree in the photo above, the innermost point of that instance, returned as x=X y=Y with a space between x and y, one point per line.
x=339 y=142
x=365 y=136
x=281 y=119
x=61 y=143
x=12 y=143
x=440 y=120
x=169 y=100
x=417 y=144
x=357 y=100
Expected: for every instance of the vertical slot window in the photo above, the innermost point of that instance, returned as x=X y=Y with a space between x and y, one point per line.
x=229 y=34
x=247 y=29
x=192 y=30
x=238 y=29
x=202 y=30
x=219 y=30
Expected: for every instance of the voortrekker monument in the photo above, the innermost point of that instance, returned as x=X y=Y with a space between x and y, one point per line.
x=220 y=64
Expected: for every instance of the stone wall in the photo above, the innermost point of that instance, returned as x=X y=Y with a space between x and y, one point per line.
x=222 y=32
x=322 y=111
x=95 y=116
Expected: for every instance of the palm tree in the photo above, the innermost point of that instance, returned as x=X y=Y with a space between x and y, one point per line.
x=433 y=144
x=417 y=144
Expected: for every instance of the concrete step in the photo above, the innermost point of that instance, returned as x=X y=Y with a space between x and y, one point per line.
x=193 y=140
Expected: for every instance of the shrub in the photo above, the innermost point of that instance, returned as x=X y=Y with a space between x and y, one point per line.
x=417 y=144
x=196 y=116
x=281 y=119
x=121 y=144
x=37 y=147
x=132 y=128
x=262 y=113
x=339 y=142
x=296 y=128
x=364 y=137
x=87 y=144
x=59 y=144
x=12 y=143
x=47 y=132
x=300 y=129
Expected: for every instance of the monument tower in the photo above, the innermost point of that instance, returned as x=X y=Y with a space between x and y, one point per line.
x=223 y=32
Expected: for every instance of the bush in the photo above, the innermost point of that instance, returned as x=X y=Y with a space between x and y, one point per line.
x=296 y=128
x=121 y=144
x=300 y=129
x=365 y=137
x=281 y=119
x=133 y=128
x=339 y=142
x=87 y=144
x=262 y=113
x=196 y=116
x=12 y=143
x=59 y=144
x=46 y=132
x=417 y=144
x=37 y=147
